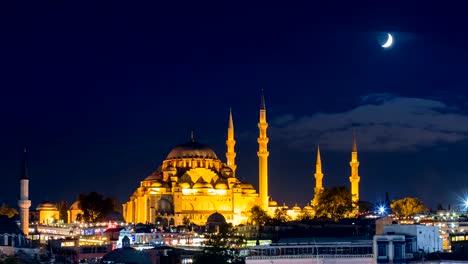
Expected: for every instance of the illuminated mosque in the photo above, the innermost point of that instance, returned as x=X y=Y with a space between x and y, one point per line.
x=193 y=183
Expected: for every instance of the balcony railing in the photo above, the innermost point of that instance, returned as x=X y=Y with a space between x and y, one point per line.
x=307 y=256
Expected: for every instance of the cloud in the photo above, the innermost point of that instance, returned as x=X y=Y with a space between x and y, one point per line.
x=383 y=122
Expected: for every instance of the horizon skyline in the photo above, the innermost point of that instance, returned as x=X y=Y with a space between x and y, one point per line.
x=352 y=136
x=101 y=93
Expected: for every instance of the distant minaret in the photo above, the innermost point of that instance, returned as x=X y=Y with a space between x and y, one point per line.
x=263 y=156
x=354 y=179
x=230 y=143
x=24 y=203
x=318 y=177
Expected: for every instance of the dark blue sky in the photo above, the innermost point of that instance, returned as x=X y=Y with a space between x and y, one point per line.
x=100 y=94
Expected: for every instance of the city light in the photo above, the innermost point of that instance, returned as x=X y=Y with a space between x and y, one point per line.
x=381 y=209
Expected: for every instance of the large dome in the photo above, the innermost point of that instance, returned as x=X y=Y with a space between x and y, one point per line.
x=192 y=149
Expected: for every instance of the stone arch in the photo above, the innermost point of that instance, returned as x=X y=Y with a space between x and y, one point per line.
x=165 y=206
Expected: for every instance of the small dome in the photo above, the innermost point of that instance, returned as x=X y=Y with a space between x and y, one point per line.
x=153 y=177
x=245 y=185
x=46 y=206
x=296 y=208
x=216 y=218
x=9 y=226
x=272 y=203
x=184 y=185
x=191 y=149
x=156 y=184
x=126 y=255
x=308 y=208
x=221 y=185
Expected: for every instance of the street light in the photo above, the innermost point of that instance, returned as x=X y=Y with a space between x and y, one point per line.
x=381 y=209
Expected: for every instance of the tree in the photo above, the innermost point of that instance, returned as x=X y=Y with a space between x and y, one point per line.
x=222 y=247
x=258 y=216
x=62 y=207
x=334 y=203
x=280 y=216
x=407 y=207
x=8 y=211
x=305 y=216
x=186 y=221
x=95 y=208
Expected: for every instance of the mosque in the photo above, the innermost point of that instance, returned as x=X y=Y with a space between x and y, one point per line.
x=192 y=183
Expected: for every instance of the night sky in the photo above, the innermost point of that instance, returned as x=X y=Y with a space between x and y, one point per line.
x=101 y=93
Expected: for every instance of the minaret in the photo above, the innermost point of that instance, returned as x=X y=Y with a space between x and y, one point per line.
x=318 y=177
x=354 y=179
x=263 y=156
x=24 y=203
x=230 y=143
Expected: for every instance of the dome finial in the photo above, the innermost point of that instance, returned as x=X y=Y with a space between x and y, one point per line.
x=192 y=137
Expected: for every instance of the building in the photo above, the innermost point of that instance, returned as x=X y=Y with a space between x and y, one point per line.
x=390 y=248
x=192 y=183
x=13 y=241
x=48 y=213
x=426 y=238
x=400 y=243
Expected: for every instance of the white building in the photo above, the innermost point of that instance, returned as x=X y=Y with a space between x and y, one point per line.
x=425 y=238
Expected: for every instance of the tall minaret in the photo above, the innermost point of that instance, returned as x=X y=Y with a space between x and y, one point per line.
x=263 y=156
x=318 y=177
x=230 y=143
x=24 y=203
x=354 y=179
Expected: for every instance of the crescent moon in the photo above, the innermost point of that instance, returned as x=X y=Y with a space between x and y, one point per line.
x=389 y=41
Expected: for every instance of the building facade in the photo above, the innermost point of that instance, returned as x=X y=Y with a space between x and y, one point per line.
x=192 y=183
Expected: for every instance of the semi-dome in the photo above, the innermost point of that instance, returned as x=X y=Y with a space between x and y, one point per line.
x=202 y=185
x=192 y=149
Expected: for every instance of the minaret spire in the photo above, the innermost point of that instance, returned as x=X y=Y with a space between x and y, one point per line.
x=230 y=143
x=24 y=203
x=263 y=156
x=262 y=102
x=354 y=178
x=354 y=149
x=318 y=178
x=24 y=170
x=192 y=137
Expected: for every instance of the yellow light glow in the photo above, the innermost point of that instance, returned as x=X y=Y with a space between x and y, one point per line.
x=221 y=192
